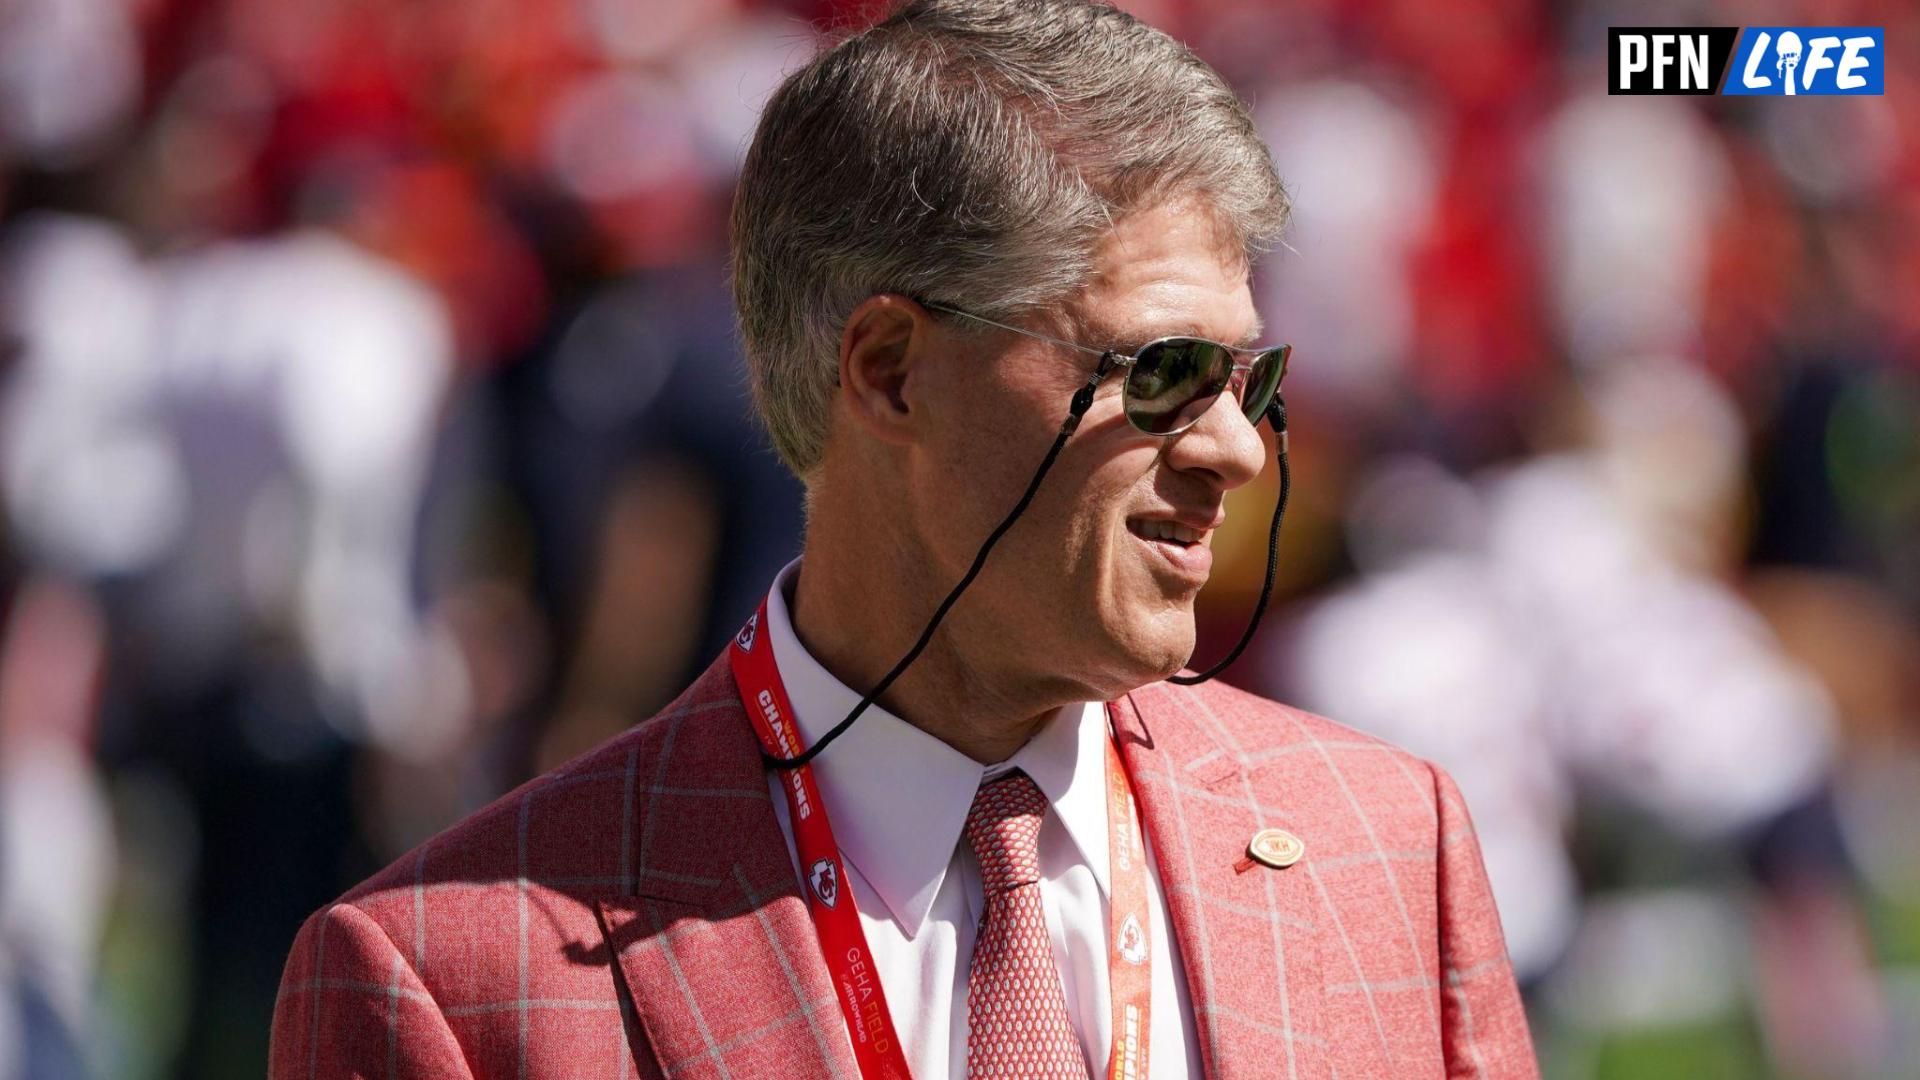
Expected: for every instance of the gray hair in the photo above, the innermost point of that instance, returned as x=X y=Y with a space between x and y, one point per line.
x=973 y=152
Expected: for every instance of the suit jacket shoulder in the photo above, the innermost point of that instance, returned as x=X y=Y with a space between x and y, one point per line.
x=486 y=951
x=1381 y=948
x=1343 y=782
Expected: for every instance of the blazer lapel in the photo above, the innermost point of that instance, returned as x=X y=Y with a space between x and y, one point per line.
x=1246 y=932
x=715 y=949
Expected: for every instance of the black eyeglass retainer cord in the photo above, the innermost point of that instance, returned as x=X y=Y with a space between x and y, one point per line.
x=1276 y=415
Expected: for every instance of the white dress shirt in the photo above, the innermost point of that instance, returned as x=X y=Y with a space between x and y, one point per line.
x=898 y=800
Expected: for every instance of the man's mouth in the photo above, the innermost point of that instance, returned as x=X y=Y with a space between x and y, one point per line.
x=1169 y=531
x=1179 y=550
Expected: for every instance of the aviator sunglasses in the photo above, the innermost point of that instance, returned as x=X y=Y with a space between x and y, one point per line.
x=1171 y=382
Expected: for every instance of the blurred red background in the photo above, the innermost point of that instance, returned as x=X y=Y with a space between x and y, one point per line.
x=373 y=434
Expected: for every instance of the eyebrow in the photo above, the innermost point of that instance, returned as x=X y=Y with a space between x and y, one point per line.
x=1141 y=337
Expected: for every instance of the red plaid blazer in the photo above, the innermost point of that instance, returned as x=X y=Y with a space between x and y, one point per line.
x=635 y=913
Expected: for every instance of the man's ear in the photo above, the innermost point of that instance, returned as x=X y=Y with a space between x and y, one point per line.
x=885 y=337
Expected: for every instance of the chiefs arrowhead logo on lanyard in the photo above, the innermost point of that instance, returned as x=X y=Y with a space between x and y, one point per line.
x=825 y=880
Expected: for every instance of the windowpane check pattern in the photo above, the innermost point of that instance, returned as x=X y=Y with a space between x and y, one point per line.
x=636 y=914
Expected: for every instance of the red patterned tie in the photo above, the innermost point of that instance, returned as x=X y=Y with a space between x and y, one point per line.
x=1016 y=1011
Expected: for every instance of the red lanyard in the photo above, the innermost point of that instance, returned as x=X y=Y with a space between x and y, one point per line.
x=1129 y=975
x=856 y=979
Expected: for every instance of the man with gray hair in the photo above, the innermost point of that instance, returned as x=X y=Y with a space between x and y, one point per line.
x=935 y=813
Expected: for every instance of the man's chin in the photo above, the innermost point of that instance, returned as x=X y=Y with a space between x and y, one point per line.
x=1153 y=650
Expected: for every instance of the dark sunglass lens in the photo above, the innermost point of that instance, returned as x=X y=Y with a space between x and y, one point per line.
x=1263 y=381
x=1173 y=382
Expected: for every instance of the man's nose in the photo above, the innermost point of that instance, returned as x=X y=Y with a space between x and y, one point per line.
x=1223 y=444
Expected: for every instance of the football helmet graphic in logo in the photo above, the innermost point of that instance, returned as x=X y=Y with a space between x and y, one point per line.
x=825 y=881
x=747 y=633
x=1133 y=942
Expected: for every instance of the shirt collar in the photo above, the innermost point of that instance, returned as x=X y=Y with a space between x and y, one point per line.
x=898 y=797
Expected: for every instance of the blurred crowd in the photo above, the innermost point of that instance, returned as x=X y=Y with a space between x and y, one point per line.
x=373 y=435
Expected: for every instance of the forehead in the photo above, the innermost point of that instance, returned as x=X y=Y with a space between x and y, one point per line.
x=1168 y=269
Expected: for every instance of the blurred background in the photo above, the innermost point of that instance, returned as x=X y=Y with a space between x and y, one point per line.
x=373 y=435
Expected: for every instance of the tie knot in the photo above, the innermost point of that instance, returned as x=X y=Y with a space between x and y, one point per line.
x=1003 y=828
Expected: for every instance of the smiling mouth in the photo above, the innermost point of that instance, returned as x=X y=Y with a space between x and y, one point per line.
x=1171 y=532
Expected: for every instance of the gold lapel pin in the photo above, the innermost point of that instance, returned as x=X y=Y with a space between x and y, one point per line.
x=1277 y=848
